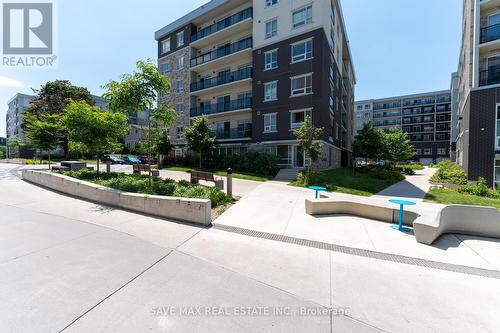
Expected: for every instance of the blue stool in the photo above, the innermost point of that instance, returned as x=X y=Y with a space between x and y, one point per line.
x=317 y=189
x=401 y=204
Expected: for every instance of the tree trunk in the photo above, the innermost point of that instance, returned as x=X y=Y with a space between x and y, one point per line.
x=200 y=160
x=98 y=164
x=49 y=159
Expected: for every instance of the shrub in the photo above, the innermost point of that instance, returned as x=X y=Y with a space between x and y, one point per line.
x=382 y=173
x=480 y=189
x=406 y=169
x=449 y=172
x=184 y=183
x=253 y=162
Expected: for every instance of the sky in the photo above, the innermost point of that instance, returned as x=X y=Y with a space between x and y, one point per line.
x=398 y=46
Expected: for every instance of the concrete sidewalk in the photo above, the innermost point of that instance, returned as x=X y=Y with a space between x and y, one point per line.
x=413 y=187
x=72 y=265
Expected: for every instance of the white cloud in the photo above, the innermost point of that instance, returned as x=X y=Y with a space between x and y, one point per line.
x=9 y=83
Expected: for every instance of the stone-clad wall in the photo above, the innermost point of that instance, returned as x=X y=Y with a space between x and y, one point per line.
x=178 y=97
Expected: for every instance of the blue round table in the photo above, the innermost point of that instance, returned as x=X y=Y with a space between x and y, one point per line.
x=401 y=204
x=317 y=189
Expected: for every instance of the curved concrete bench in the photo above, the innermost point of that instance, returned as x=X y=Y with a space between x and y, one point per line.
x=458 y=219
x=375 y=210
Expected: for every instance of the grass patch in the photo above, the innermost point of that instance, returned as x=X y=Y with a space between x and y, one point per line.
x=448 y=196
x=365 y=181
x=238 y=175
x=140 y=184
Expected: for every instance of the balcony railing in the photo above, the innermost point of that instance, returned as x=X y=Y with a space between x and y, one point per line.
x=490 y=33
x=490 y=76
x=214 y=108
x=240 y=74
x=222 y=52
x=233 y=133
x=227 y=22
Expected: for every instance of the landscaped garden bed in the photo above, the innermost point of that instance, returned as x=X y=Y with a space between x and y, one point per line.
x=455 y=189
x=140 y=184
x=365 y=181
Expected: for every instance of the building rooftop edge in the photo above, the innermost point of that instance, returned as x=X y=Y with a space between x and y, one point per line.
x=182 y=21
x=438 y=92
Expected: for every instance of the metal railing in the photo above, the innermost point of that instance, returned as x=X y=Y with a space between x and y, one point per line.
x=490 y=33
x=227 y=22
x=222 y=52
x=490 y=76
x=233 y=133
x=240 y=74
x=214 y=108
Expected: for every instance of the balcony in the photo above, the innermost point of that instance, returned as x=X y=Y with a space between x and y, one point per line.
x=217 y=108
x=223 y=25
x=490 y=33
x=222 y=79
x=233 y=133
x=490 y=76
x=221 y=52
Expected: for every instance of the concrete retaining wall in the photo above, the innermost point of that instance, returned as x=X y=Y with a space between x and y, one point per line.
x=183 y=209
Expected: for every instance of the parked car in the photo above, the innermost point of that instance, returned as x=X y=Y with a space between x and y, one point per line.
x=113 y=159
x=131 y=160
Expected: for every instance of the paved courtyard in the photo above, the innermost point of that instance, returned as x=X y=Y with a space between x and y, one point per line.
x=71 y=265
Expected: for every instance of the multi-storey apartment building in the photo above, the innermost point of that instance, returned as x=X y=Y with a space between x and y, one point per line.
x=14 y=120
x=478 y=143
x=256 y=69
x=425 y=117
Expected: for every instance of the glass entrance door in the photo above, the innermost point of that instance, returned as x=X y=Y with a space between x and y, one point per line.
x=298 y=157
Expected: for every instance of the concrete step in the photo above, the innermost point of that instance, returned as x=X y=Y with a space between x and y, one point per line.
x=287 y=175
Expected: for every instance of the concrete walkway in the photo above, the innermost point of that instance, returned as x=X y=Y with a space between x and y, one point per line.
x=413 y=187
x=74 y=266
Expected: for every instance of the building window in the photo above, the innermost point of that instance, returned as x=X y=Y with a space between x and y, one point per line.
x=271 y=2
x=271 y=60
x=179 y=86
x=302 y=51
x=418 y=151
x=441 y=151
x=165 y=68
x=497 y=174
x=301 y=85
x=271 y=28
x=297 y=118
x=497 y=136
x=180 y=62
x=337 y=131
x=180 y=39
x=180 y=108
x=270 y=123
x=165 y=46
x=427 y=151
x=302 y=17
x=271 y=91
x=179 y=132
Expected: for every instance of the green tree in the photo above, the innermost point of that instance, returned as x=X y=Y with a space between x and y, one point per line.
x=3 y=151
x=199 y=138
x=14 y=145
x=52 y=99
x=138 y=92
x=43 y=132
x=368 y=143
x=93 y=132
x=397 y=146
x=307 y=135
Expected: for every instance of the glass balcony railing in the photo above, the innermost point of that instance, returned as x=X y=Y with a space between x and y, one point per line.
x=222 y=52
x=490 y=33
x=233 y=133
x=490 y=76
x=240 y=74
x=223 y=24
x=214 y=108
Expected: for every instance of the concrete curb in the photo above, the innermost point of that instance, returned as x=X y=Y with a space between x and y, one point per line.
x=183 y=209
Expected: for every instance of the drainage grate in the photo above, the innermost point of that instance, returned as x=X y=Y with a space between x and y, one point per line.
x=362 y=253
